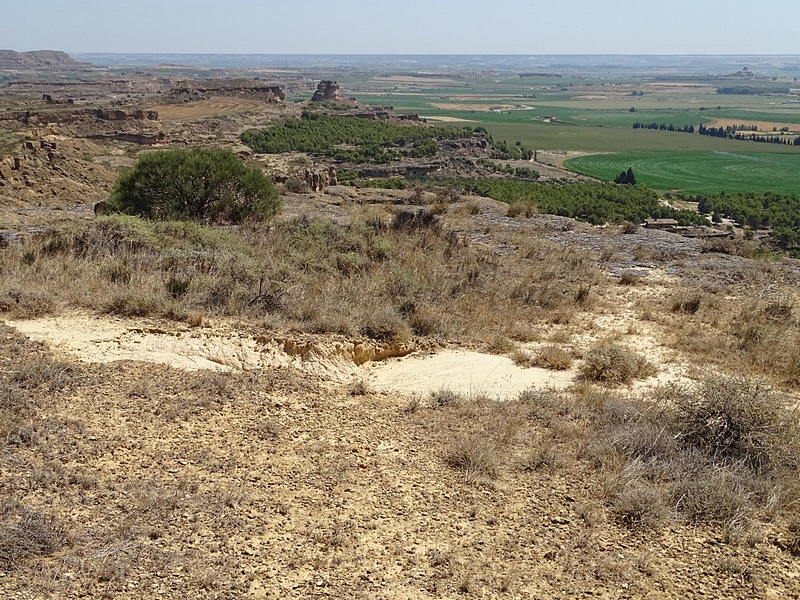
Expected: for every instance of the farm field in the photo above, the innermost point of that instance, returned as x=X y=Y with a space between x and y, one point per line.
x=698 y=172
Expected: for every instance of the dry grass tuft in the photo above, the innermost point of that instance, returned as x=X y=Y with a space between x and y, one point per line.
x=445 y=397
x=732 y=246
x=712 y=453
x=413 y=219
x=359 y=387
x=792 y=543
x=631 y=279
x=386 y=325
x=733 y=419
x=552 y=357
x=29 y=533
x=687 y=302
x=547 y=357
x=613 y=365
x=26 y=303
x=521 y=209
x=639 y=505
x=476 y=456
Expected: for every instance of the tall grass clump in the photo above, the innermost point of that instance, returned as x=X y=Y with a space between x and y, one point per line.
x=613 y=365
x=723 y=451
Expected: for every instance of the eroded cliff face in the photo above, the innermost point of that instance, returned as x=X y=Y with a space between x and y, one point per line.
x=251 y=88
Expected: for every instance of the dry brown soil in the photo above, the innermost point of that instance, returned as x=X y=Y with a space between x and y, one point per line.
x=199 y=109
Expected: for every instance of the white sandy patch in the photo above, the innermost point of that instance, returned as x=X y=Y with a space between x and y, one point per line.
x=104 y=339
x=107 y=340
x=468 y=373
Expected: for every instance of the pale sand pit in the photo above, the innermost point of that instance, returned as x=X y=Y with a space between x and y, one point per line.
x=468 y=373
x=103 y=340
x=109 y=340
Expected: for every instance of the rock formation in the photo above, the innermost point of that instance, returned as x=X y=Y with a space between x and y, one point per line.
x=310 y=180
x=317 y=181
x=132 y=137
x=327 y=91
x=69 y=115
x=124 y=115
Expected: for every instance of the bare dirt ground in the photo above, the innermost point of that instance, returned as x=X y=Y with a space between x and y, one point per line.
x=204 y=108
x=277 y=482
x=230 y=461
x=550 y=164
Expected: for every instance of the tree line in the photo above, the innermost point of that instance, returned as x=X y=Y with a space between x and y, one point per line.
x=732 y=132
x=595 y=203
x=751 y=91
x=664 y=127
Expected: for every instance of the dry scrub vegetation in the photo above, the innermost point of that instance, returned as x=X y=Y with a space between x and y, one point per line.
x=758 y=332
x=387 y=275
x=138 y=480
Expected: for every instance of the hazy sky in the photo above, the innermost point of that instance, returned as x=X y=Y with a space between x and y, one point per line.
x=403 y=26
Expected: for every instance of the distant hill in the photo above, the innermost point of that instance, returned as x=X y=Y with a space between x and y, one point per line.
x=39 y=59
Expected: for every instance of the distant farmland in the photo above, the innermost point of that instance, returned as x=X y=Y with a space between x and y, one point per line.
x=699 y=172
x=596 y=115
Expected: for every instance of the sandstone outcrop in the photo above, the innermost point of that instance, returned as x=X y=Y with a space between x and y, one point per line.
x=327 y=91
x=50 y=100
x=144 y=139
x=310 y=180
x=69 y=115
x=125 y=115
x=317 y=181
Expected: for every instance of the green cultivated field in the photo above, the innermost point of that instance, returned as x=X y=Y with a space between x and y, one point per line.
x=594 y=115
x=700 y=172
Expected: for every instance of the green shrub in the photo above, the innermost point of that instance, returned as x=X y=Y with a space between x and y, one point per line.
x=208 y=184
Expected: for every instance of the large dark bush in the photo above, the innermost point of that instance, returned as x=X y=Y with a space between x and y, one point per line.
x=208 y=184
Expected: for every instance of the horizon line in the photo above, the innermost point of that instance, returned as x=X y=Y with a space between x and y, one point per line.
x=429 y=54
